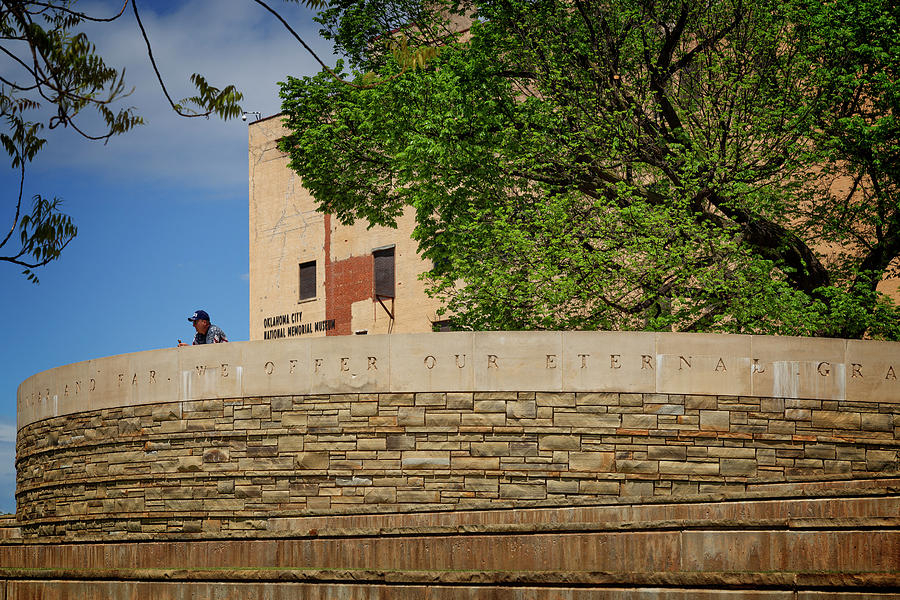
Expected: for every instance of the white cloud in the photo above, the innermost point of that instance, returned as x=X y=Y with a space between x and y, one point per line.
x=228 y=41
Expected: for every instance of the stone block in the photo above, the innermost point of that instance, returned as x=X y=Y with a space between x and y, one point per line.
x=559 y=442
x=467 y=463
x=587 y=421
x=188 y=464
x=701 y=402
x=425 y=460
x=460 y=401
x=521 y=409
x=355 y=481
x=262 y=451
x=819 y=451
x=396 y=399
x=638 y=421
x=294 y=419
x=371 y=444
x=637 y=466
x=289 y=443
x=216 y=455
x=876 y=422
x=597 y=399
x=797 y=414
x=481 y=484
x=431 y=399
x=599 y=488
x=523 y=449
x=381 y=496
x=411 y=417
x=483 y=420
x=828 y=419
x=666 y=452
x=261 y=411
x=881 y=460
x=523 y=491
x=688 y=468
x=591 y=461
x=418 y=497
x=714 y=420
x=364 y=409
x=313 y=461
x=490 y=406
x=637 y=488
x=562 y=486
x=396 y=441
x=442 y=419
x=771 y=405
x=489 y=449
x=555 y=399
x=739 y=467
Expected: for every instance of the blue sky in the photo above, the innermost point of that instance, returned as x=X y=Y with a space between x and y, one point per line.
x=161 y=212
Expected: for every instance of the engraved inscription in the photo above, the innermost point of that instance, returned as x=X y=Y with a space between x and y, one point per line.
x=373 y=366
x=824 y=369
x=430 y=361
x=720 y=366
x=492 y=361
x=551 y=361
x=614 y=361
x=269 y=367
x=855 y=370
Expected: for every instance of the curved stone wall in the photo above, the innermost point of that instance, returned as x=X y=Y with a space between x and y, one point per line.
x=248 y=435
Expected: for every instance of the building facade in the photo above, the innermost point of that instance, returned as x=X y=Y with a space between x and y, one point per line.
x=311 y=275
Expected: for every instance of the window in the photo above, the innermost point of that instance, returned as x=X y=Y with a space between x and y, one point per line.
x=307 y=280
x=384 y=272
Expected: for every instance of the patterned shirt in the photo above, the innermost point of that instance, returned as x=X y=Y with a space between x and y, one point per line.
x=214 y=335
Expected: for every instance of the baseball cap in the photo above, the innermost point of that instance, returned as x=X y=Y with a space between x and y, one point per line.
x=198 y=315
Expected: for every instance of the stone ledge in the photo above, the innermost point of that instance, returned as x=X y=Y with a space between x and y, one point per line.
x=818 y=580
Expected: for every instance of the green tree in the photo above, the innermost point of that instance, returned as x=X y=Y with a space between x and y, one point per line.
x=53 y=77
x=629 y=165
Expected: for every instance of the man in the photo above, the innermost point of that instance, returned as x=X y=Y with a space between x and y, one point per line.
x=207 y=333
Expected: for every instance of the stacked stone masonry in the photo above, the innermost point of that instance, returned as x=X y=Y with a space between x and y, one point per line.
x=223 y=465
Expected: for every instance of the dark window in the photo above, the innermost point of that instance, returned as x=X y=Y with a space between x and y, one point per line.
x=441 y=325
x=384 y=272
x=307 y=280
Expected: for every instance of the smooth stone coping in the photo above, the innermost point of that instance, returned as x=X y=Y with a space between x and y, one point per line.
x=546 y=361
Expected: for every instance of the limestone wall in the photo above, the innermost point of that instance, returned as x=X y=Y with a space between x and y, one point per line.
x=237 y=436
